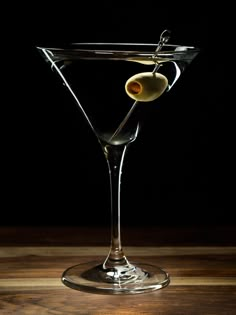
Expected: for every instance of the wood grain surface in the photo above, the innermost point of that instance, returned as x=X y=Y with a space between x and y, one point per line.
x=203 y=278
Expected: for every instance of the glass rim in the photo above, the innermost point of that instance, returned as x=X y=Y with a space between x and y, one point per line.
x=117 y=47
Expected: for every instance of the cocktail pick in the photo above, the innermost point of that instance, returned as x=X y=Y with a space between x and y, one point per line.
x=164 y=38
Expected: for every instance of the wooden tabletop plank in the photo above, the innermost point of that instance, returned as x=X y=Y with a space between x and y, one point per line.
x=17 y=251
x=217 y=263
x=173 y=300
x=203 y=274
x=46 y=283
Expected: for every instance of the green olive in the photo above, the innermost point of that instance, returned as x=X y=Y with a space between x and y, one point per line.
x=146 y=86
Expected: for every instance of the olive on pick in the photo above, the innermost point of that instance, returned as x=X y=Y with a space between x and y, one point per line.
x=146 y=86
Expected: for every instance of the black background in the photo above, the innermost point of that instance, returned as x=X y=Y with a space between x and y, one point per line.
x=179 y=171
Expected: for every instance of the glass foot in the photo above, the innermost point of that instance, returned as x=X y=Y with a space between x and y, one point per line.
x=132 y=278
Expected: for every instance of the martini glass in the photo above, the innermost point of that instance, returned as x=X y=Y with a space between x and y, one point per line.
x=114 y=85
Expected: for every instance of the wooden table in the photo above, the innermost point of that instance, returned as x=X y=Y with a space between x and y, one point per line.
x=201 y=262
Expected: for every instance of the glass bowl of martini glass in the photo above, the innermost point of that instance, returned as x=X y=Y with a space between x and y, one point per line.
x=112 y=84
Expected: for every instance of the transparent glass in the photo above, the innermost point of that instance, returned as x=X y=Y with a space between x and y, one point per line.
x=95 y=75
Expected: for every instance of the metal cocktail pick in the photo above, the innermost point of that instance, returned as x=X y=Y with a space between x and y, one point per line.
x=164 y=38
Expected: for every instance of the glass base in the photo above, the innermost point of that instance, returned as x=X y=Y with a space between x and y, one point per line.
x=132 y=278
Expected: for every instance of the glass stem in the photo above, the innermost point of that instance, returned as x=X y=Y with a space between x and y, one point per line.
x=115 y=157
